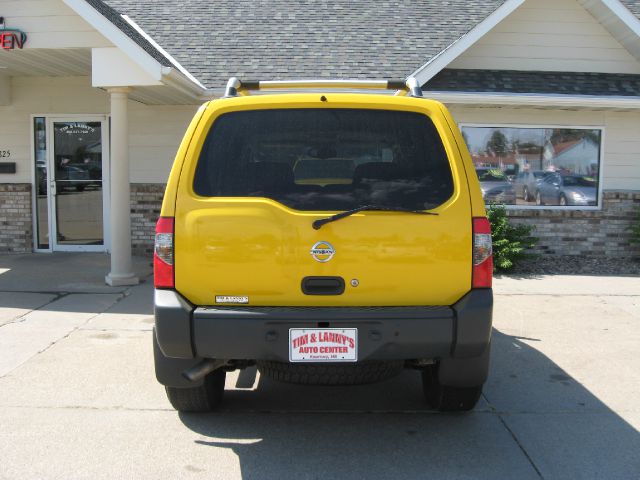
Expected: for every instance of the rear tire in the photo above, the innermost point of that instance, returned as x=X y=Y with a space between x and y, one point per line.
x=448 y=399
x=539 y=199
x=205 y=398
x=331 y=373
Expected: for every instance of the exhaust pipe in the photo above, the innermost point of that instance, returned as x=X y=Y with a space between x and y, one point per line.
x=202 y=369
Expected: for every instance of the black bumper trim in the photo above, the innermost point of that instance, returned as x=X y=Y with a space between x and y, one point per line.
x=474 y=314
x=266 y=337
x=173 y=323
x=251 y=333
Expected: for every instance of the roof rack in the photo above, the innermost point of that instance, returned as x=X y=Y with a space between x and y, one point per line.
x=410 y=86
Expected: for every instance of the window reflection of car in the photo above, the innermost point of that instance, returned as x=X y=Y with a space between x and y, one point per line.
x=41 y=175
x=330 y=171
x=72 y=176
x=495 y=186
x=561 y=189
x=526 y=184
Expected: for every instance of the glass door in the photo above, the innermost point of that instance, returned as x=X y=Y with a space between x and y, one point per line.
x=77 y=187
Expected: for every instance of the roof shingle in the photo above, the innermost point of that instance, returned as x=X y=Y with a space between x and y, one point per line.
x=545 y=83
x=283 y=39
x=633 y=6
x=279 y=39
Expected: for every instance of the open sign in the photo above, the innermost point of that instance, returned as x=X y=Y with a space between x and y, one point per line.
x=11 y=38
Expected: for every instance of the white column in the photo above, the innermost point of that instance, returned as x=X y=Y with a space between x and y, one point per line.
x=121 y=264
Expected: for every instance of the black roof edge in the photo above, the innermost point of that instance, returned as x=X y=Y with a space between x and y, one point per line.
x=535 y=82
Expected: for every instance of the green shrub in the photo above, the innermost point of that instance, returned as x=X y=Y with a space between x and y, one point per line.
x=510 y=242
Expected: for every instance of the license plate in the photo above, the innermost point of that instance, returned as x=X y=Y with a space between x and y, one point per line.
x=323 y=344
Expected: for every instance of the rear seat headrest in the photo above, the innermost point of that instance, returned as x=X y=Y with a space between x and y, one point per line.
x=269 y=176
x=377 y=171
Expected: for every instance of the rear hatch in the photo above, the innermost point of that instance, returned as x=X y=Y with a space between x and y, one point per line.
x=251 y=190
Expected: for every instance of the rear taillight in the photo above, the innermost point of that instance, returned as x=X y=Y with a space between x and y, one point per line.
x=482 y=253
x=163 y=254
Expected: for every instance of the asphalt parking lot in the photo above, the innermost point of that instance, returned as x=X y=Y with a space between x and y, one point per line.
x=78 y=397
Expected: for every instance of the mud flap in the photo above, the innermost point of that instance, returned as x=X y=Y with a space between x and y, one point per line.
x=465 y=372
x=169 y=370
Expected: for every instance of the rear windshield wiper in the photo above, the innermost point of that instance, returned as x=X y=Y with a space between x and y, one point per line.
x=319 y=223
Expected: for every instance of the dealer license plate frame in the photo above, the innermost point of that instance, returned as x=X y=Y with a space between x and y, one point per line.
x=351 y=356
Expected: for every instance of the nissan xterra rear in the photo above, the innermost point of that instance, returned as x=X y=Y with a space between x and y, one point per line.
x=329 y=238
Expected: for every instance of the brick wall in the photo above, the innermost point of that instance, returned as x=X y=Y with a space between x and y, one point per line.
x=15 y=218
x=146 y=200
x=594 y=233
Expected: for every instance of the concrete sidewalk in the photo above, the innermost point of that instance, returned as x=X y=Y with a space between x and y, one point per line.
x=79 y=399
x=63 y=272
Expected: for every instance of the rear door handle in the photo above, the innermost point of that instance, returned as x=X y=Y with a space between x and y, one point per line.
x=322 y=285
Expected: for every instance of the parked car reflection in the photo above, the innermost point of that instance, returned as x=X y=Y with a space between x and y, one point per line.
x=526 y=184
x=72 y=177
x=561 y=189
x=495 y=186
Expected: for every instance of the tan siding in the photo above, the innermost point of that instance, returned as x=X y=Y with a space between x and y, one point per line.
x=51 y=24
x=41 y=95
x=621 y=155
x=622 y=150
x=556 y=35
x=155 y=131
x=527 y=116
x=34 y=8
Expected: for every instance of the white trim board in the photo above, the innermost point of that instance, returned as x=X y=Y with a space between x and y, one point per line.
x=535 y=100
x=427 y=71
x=166 y=54
x=134 y=51
x=623 y=13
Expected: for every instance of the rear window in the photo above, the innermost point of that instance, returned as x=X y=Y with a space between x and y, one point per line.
x=326 y=159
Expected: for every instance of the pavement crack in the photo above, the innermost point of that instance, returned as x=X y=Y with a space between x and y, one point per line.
x=21 y=318
x=514 y=436
x=74 y=329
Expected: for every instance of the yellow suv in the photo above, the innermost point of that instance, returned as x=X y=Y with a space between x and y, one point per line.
x=328 y=237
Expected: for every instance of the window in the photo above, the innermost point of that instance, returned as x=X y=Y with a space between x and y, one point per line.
x=326 y=159
x=531 y=166
x=41 y=183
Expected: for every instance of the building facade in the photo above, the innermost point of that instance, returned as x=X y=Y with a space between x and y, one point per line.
x=95 y=96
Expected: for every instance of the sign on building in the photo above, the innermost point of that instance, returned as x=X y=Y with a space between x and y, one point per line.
x=11 y=38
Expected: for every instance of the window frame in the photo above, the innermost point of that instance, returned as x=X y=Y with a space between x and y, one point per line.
x=600 y=127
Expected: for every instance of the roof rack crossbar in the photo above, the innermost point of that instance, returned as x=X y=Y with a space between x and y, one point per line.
x=409 y=86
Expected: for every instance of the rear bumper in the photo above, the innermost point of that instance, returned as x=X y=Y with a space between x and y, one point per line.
x=462 y=330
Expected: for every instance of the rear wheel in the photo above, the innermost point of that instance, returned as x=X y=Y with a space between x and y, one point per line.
x=205 y=398
x=538 y=198
x=331 y=373
x=525 y=194
x=448 y=399
x=563 y=200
